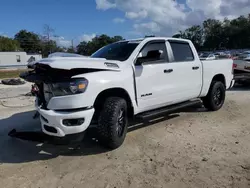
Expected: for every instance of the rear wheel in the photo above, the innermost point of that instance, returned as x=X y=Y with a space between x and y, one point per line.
x=215 y=97
x=113 y=122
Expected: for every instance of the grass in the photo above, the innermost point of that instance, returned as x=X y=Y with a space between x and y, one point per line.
x=10 y=73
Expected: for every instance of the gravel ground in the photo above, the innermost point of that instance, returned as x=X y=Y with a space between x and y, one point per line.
x=193 y=148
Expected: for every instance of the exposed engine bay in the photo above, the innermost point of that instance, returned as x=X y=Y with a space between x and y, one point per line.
x=44 y=78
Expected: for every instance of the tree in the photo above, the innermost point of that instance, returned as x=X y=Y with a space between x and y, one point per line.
x=8 y=44
x=30 y=42
x=70 y=50
x=177 y=35
x=88 y=48
x=82 y=48
x=215 y=34
x=49 y=45
x=48 y=31
x=238 y=32
x=33 y=43
x=194 y=33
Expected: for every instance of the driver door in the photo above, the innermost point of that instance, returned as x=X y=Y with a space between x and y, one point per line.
x=154 y=84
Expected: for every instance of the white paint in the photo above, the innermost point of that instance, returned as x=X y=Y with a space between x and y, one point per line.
x=56 y=118
x=182 y=84
x=77 y=62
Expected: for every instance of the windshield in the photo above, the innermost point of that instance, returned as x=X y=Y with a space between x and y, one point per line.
x=116 y=51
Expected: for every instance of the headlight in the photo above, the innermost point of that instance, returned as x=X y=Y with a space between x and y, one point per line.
x=76 y=86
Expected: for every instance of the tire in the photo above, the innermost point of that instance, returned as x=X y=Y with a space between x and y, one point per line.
x=113 y=123
x=215 y=97
x=13 y=82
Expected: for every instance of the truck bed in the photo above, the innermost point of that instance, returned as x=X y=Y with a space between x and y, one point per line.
x=215 y=67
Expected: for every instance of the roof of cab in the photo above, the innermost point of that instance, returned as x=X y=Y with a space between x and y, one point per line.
x=154 y=38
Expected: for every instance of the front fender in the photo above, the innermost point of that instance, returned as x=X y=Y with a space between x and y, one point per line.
x=98 y=82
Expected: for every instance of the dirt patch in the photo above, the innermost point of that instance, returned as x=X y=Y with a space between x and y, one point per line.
x=193 y=148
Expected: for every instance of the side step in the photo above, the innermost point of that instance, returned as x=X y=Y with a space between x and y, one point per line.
x=168 y=109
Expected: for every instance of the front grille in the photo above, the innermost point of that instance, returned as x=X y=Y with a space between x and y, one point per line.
x=47 y=93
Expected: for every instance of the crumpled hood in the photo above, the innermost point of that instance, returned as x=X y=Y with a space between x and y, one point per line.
x=68 y=63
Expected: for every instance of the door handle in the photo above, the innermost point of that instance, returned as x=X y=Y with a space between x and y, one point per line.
x=168 y=70
x=195 y=68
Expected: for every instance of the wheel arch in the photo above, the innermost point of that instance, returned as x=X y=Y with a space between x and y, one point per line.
x=219 y=77
x=113 y=92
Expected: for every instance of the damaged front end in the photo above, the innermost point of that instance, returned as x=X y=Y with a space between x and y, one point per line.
x=58 y=96
x=49 y=82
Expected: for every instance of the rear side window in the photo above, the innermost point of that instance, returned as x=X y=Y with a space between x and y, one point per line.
x=181 y=51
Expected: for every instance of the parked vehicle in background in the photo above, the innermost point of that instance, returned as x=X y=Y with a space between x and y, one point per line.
x=227 y=55
x=236 y=55
x=224 y=56
x=207 y=56
x=139 y=78
x=242 y=63
x=244 y=55
x=64 y=54
x=242 y=68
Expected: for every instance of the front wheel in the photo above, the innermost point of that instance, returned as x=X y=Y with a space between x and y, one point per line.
x=215 y=97
x=113 y=122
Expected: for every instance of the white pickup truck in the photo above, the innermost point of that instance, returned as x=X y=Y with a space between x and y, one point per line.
x=132 y=78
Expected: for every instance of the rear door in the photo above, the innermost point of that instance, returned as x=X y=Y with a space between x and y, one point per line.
x=187 y=70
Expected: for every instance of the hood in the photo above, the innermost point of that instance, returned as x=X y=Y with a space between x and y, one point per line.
x=68 y=63
x=57 y=69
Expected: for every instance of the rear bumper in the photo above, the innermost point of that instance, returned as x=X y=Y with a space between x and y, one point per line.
x=52 y=121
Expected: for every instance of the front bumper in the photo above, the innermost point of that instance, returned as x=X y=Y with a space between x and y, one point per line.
x=53 y=120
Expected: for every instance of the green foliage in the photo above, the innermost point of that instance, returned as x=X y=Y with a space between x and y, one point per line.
x=210 y=35
x=48 y=47
x=88 y=48
x=7 y=44
x=70 y=50
x=194 y=33
x=33 y=43
x=214 y=34
x=30 y=42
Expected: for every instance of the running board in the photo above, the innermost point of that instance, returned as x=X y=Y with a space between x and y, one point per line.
x=168 y=109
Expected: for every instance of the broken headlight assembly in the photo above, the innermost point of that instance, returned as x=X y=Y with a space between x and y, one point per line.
x=75 y=86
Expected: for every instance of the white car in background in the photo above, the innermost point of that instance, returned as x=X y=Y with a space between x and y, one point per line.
x=207 y=56
x=64 y=54
x=241 y=67
x=242 y=63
